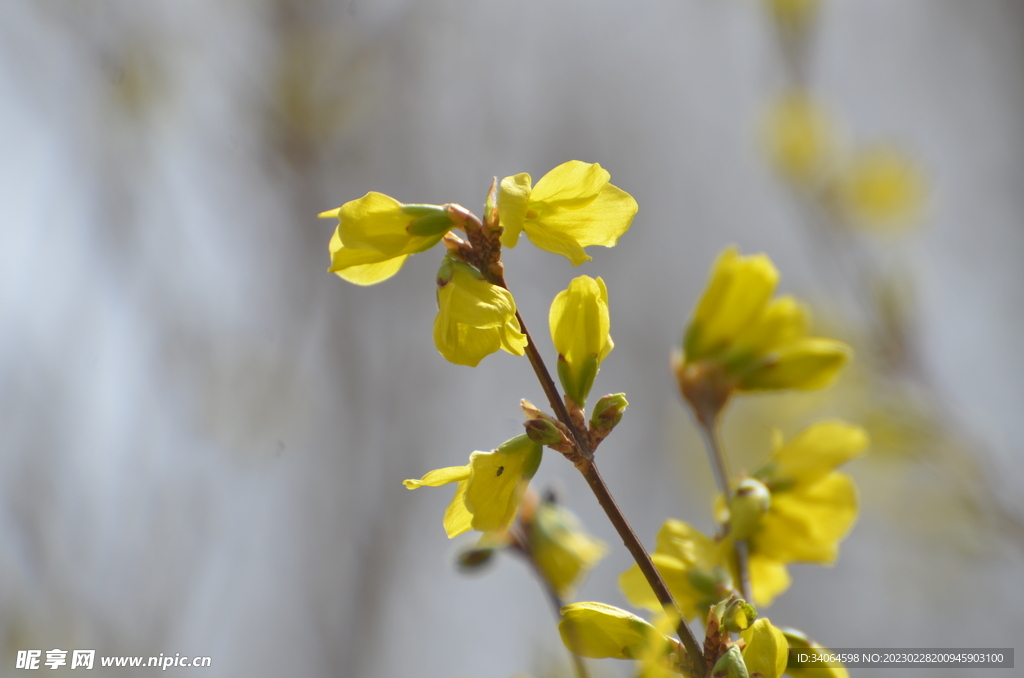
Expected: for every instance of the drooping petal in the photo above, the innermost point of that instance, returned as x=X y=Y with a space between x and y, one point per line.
x=513 y=202
x=807 y=522
x=497 y=482
x=766 y=651
x=600 y=631
x=456 y=517
x=807 y=364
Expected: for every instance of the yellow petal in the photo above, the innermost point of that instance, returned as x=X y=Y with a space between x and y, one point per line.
x=513 y=202
x=464 y=344
x=807 y=523
x=736 y=296
x=439 y=477
x=572 y=184
x=457 y=518
x=497 y=482
x=768 y=578
x=766 y=651
x=560 y=547
x=807 y=364
x=556 y=242
x=817 y=451
x=602 y=631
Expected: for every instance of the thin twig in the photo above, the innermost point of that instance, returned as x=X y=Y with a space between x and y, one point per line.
x=589 y=470
x=720 y=463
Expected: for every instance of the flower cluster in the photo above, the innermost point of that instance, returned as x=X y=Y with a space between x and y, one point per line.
x=795 y=508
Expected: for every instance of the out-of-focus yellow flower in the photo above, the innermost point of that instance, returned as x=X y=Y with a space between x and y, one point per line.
x=573 y=206
x=799 y=138
x=474 y=318
x=741 y=339
x=818 y=669
x=561 y=549
x=580 y=326
x=693 y=566
x=793 y=16
x=602 y=631
x=882 y=188
x=812 y=506
x=376 y=234
x=767 y=651
x=489 y=489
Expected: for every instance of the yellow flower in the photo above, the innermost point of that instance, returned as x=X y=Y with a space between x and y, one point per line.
x=474 y=318
x=602 y=631
x=741 y=339
x=882 y=188
x=376 y=234
x=812 y=506
x=693 y=566
x=573 y=206
x=799 y=138
x=562 y=551
x=767 y=651
x=489 y=489
x=580 y=323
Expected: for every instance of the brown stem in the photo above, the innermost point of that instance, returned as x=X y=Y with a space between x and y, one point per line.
x=720 y=463
x=604 y=497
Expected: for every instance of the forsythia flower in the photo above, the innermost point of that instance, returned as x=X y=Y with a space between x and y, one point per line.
x=376 y=234
x=812 y=505
x=693 y=566
x=881 y=188
x=602 y=631
x=489 y=489
x=580 y=323
x=741 y=339
x=573 y=206
x=799 y=137
x=474 y=317
x=699 y=572
x=560 y=548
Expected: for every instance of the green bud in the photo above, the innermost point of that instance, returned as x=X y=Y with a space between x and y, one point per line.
x=749 y=504
x=544 y=432
x=608 y=412
x=735 y=613
x=578 y=386
x=430 y=219
x=730 y=665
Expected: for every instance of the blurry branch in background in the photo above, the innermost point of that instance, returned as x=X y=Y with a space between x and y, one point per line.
x=854 y=202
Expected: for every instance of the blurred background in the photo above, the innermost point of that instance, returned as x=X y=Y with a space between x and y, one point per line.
x=203 y=433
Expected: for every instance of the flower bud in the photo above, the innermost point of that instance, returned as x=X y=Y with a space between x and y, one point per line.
x=608 y=412
x=544 y=432
x=735 y=613
x=751 y=501
x=730 y=665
